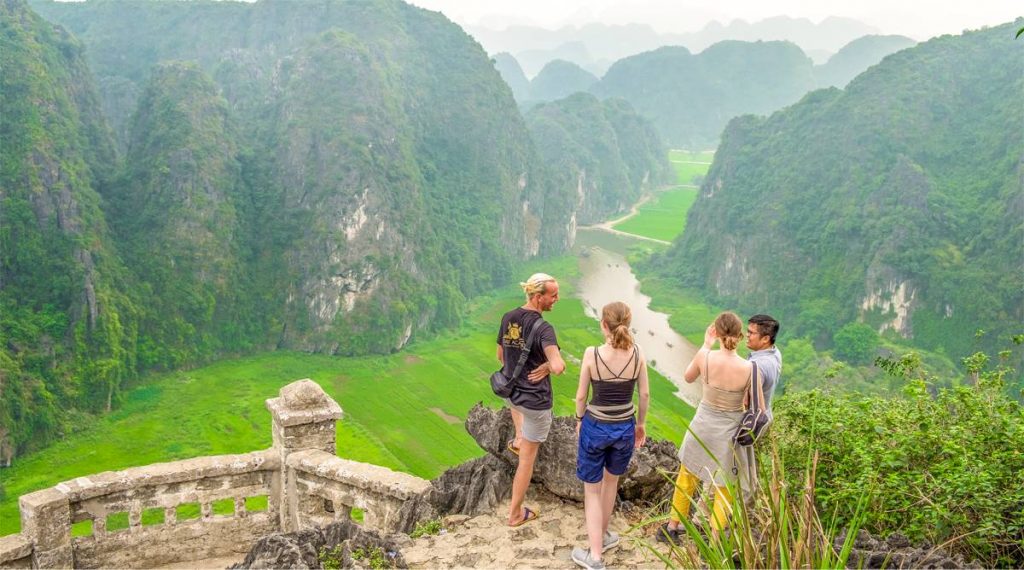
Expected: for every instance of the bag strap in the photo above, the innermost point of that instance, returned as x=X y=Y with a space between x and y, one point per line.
x=756 y=392
x=526 y=349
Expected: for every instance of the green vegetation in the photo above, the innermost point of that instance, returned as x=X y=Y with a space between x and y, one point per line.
x=660 y=217
x=374 y=556
x=403 y=411
x=691 y=97
x=558 y=79
x=664 y=216
x=333 y=177
x=780 y=528
x=943 y=468
x=856 y=343
x=599 y=155
x=856 y=56
x=427 y=528
x=67 y=327
x=690 y=167
x=331 y=558
x=850 y=195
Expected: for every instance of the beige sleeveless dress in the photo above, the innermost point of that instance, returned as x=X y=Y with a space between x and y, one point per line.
x=718 y=415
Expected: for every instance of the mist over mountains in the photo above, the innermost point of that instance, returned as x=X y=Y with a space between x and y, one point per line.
x=691 y=96
x=595 y=46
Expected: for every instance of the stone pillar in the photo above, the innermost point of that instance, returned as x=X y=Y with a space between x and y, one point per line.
x=304 y=417
x=46 y=523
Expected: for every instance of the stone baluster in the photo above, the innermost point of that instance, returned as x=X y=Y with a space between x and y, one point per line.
x=135 y=518
x=99 y=526
x=240 y=507
x=170 y=515
x=206 y=508
x=304 y=417
x=46 y=522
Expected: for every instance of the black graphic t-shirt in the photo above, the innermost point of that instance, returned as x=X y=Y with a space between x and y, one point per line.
x=515 y=327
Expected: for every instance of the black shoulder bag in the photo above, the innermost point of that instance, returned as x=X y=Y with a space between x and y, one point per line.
x=756 y=419
x=502 y=385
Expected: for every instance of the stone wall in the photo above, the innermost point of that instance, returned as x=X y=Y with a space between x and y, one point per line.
x=199 y=508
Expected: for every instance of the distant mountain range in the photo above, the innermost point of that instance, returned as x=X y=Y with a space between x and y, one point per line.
x=595 y=47
x=691 y=96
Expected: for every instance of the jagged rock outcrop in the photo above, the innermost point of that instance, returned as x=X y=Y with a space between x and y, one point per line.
x=477 y=486
x=339 y=540
x=555 y=469
x=897 y=552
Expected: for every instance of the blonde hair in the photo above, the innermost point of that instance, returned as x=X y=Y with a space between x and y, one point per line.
x=729 y=329
x=537 y=284
x=617 y=316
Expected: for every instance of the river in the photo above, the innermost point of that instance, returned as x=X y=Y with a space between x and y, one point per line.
x=605 y=277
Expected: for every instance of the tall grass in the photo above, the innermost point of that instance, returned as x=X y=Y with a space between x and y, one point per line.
x=775 y=526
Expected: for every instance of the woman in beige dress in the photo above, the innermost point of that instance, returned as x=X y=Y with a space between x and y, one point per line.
x=708 y=450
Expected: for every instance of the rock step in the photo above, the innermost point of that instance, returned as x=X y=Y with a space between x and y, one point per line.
x=486 y=541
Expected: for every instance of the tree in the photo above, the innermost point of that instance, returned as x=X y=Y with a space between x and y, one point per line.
x=855 y=343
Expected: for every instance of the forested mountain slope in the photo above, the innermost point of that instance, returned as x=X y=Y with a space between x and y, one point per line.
x=600 y=155
x=690 y=97
x=331 y=176
x=67 y=328
x=897 y=202
x=558 y=79
x=857 y=56
x=512 y=73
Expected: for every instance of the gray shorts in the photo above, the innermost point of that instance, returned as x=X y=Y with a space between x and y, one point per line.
x=536 y=423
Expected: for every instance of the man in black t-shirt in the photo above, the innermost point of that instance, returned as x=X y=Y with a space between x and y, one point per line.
x=531 y=400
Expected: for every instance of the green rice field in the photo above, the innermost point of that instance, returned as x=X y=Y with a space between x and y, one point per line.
x=663 y=217
x=689 y=164
x=404 y=411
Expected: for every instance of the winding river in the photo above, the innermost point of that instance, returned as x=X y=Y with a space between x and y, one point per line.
x=605 y=277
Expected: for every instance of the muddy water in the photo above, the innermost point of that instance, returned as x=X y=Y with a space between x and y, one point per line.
x=607 y=277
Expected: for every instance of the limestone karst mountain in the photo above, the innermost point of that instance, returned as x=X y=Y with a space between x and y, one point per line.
x=513 y=75
x=324 y=176
x=558 y=79
x=598 y=153
x=67 y=327
x=857 y=56
x=896 y=201
x=690 y=97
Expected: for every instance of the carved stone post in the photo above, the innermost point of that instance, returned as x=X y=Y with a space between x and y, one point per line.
x=46 y=522
x=304 y=417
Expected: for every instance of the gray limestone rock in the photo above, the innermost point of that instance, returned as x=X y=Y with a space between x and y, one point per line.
x=345 y=541
x=645 y=481
x=896 y=551
x=475 y=487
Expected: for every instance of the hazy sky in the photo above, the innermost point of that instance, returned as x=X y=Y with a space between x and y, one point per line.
x=918 y=19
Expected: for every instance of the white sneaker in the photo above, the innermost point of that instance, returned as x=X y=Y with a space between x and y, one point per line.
x=582 y=559
x=609 y=541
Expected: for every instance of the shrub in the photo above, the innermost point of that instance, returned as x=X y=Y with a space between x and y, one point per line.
x=941 y=465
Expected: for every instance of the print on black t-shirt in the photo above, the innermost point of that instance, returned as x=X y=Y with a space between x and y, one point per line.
x=515 y=327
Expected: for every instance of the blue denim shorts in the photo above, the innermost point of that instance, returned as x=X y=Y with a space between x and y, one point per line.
x=604 y=446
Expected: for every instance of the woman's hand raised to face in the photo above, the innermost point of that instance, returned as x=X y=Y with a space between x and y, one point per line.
x=710 y=336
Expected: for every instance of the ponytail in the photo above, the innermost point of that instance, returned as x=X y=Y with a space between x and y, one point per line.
x=617 y=316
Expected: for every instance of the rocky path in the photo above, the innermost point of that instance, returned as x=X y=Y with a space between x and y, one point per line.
x=485 y=541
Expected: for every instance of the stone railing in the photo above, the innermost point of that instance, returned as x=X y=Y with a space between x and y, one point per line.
x=212 y=506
